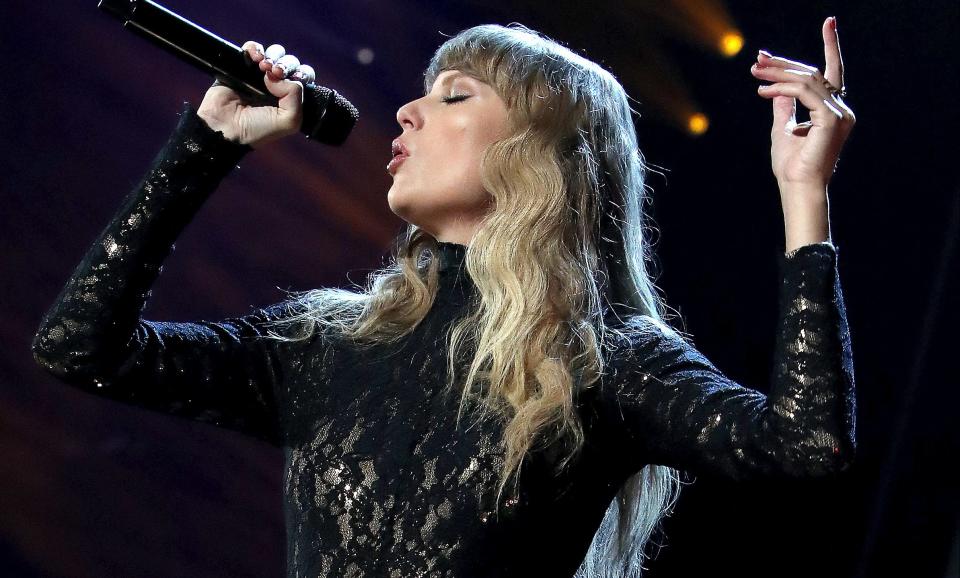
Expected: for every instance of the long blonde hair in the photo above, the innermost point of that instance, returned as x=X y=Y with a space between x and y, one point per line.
x=563 y=246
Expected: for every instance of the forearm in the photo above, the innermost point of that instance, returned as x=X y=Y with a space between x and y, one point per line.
x=99 y=306
x=806 y=216
x=812 y=394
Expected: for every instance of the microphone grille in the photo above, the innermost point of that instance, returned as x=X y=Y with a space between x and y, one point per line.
x=328 y=116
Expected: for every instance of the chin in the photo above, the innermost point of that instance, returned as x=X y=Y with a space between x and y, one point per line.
x=396 y=203
x=400 y=206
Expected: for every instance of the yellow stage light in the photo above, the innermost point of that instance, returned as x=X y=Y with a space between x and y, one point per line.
x=698 y=123
x=731 y=43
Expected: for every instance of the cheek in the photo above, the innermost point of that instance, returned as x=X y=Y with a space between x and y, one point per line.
x=459 y=163
x=470 y=187
x=445 y=179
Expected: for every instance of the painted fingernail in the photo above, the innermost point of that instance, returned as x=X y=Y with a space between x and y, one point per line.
x=288 y=62
x=275 y=51
x=307 y=73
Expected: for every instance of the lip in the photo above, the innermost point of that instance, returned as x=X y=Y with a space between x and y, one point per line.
x=398 y=147
x=395 y=163
x=400 y=153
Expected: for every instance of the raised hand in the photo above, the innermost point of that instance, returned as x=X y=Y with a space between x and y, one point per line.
x=225 y=110
x=804 y=155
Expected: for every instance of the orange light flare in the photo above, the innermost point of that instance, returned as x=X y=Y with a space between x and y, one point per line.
x=703 y=22
x=661 y=95
x=731 y=43
x=697 y=123
x=658 y=80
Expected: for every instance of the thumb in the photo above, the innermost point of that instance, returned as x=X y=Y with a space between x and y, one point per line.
x=784 y=113
x=289 y=93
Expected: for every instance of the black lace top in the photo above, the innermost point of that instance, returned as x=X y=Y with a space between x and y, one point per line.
x=379 y=481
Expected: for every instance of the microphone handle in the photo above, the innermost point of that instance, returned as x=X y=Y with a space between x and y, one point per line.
x=231 y=66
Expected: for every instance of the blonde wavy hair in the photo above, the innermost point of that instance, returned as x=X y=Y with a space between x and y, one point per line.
x=563 y=245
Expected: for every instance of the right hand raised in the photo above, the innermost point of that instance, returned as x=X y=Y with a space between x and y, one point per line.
x=226 y=110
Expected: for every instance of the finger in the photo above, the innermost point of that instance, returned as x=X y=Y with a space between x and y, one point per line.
x=305 y=74
x=813 y=81
x=289 y=102
x=288 y=64
x=802 y=128
x=816 y=83
x=767 y=59
x=833 y=69
x=807 y=96
x=254 y=49
x=780 y=74
x=784 y=113
x=284 y=90
x=276 y=72
x=274 y=52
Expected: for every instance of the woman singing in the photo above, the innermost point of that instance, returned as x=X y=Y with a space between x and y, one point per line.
x=506 y=397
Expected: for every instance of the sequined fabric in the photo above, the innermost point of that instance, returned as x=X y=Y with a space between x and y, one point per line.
x=379 y=480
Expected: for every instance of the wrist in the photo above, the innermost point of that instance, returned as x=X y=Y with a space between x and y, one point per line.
x=806 y=218
x=217 y=126
x=802 y=191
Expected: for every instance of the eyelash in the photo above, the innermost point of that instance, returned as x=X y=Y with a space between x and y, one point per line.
x=455 y=98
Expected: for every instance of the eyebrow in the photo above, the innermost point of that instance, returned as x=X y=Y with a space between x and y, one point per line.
x=458 y=74
x=451 y=77
x=455 y=74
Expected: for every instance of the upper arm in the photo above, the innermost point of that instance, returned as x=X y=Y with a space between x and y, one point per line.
x=675 y=408
x=227 y=372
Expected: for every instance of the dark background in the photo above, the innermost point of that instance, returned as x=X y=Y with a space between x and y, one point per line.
x=90 y=487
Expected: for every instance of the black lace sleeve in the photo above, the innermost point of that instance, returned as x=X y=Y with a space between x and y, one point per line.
x=675 y=408
x=93 y=337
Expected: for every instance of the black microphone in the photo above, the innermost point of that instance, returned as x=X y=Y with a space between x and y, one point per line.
x=328 y=117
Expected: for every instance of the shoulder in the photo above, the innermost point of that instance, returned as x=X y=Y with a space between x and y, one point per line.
x=645 y=341
x=638 y=331
x=317 y=314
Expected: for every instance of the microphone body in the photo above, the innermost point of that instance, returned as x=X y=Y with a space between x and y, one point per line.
x=328 y=117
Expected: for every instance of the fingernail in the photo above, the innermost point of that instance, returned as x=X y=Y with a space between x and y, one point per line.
x=275 y=51
x=833 y=22
x=765 y=53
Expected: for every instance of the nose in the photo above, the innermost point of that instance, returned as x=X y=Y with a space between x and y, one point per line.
x=408 y=115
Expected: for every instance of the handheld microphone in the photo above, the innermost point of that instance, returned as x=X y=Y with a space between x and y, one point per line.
x=328 y=117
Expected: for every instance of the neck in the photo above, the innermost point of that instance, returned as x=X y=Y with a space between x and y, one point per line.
x=451 y=255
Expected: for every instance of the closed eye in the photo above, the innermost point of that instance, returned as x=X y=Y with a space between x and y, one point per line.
x=455 y=98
